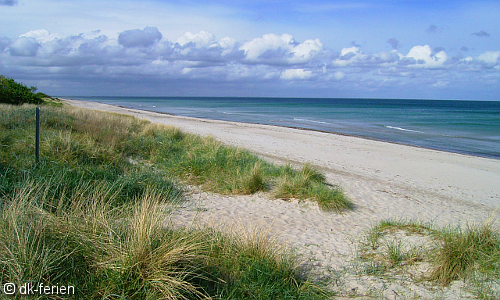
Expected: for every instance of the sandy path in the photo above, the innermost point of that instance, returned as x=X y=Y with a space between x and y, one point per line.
x=384 y=180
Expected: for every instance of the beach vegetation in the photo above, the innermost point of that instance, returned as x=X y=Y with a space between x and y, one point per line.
x=308 y=183
x=464 y=252
x=470 y=254
x=12 y=92
x=92 y=213
x=395 y=253
x=127 y=146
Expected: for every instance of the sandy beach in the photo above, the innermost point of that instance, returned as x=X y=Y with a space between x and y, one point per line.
x=384 y=180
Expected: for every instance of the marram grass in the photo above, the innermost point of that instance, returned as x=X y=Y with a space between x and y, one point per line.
x=126 y=252
x=105 y=146
x=91 y=213
x=466 y=251
x=471 y=254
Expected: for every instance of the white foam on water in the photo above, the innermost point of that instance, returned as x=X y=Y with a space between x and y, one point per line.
x=312 y=121
x=403 y=129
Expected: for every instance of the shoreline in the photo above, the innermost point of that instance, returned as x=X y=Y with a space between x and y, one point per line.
x=301 y=128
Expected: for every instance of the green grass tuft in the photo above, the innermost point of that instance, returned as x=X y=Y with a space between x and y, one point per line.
x=307 y=183
x=477 y=248
x=471 y=254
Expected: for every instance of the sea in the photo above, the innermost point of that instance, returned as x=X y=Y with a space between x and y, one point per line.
x=467 y=127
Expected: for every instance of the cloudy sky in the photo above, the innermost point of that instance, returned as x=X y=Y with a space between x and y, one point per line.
x=280 y=48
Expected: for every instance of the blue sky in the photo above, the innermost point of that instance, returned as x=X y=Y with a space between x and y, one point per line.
x=372 y=48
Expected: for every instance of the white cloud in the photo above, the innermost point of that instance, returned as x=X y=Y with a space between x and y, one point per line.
x=295 y=74
x=227 y=44
x=264 y=60
x=269 y=42
x=304 y=52
x=284 y=48
x=490 y=57
x=425 y=58
x=200 y=39
x=39 y=34
x=349 y=56
x=353 y=50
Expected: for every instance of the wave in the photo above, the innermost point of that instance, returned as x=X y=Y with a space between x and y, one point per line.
x=403 y=129
x=312 y=121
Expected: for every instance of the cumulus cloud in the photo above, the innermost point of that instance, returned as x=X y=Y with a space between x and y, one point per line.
x=425 y=58
x=295 y=74
x=256 y=49
x=304 y=52
x=349 y=56
x=281 y=49
x=139 y=38
x=200 y=39
x=227 y=44
x=8 y=2
x=273 y=59
x=481 y=33
x=40 y=34
x=24 y=46
x=491 y=58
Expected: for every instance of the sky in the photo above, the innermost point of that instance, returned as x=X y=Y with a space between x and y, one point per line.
x=402 y=49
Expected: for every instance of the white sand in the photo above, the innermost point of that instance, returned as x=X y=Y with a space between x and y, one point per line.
x=384 y=180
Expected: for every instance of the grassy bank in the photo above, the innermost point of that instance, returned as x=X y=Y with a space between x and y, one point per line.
x=105 y=146
x=91 y=213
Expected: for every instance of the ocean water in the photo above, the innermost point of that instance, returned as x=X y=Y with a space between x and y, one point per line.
x=468 y=127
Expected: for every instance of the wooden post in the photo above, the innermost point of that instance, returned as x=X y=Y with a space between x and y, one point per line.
x=37 y=143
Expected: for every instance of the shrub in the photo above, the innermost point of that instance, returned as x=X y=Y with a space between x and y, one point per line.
x=12 y=92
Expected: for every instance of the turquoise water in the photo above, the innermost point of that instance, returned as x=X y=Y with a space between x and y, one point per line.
x=469 y=127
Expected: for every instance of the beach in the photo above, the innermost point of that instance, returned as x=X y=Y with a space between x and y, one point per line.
x=384 y=181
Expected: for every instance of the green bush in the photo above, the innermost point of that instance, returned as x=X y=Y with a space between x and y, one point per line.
x=12 y=92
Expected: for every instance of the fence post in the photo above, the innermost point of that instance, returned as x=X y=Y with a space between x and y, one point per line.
x=37 y=143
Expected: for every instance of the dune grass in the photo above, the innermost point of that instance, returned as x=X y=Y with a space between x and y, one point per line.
x=110 y=147
x=467 y=251
x=471 y=254
x=126 y=252
x=92 y=213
